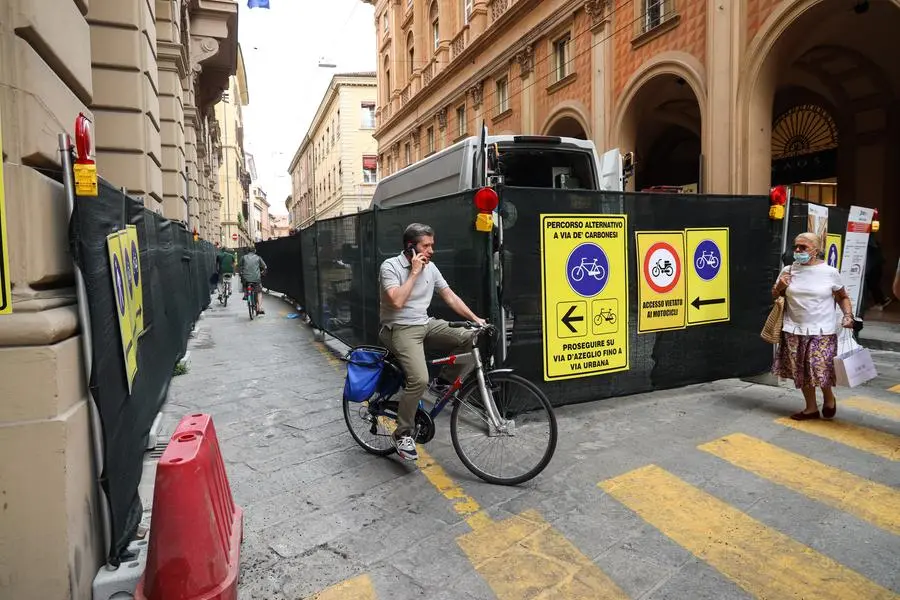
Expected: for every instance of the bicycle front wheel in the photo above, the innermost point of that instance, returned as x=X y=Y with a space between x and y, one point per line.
x=527 y=439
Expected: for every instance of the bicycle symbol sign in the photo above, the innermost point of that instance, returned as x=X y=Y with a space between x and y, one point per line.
x=833 y=255
x=662 y=268
x=707 y=260
x=120 y=286
x=128 y=275
x=135 y=266
x=587 y=270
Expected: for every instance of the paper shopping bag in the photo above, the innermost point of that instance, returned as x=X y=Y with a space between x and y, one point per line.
x=854 y=368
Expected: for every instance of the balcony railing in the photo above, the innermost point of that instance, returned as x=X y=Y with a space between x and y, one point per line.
x=498 y=8
x=428 y=73
x=404 y=95
x=460 y=42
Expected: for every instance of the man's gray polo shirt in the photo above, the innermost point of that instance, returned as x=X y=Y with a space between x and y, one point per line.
x=394 y=273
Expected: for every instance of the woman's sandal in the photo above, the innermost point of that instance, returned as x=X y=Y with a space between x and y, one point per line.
x=804 y=416
x=828 y=413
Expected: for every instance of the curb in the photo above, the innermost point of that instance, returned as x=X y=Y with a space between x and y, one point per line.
x=876 y=344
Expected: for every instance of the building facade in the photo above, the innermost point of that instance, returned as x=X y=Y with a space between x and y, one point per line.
x=281 y=226
x=725 y=97
x=333 y=172
x=148 y=74
x=234 y=176
x=261 y=221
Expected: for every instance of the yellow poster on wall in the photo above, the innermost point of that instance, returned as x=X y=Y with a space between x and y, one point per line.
x=584 y=284
x=133 y=257
x=122 y=305
x=661 y=281
x=5 y=283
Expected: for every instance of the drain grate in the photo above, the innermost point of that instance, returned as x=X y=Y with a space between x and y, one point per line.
x=157 y=451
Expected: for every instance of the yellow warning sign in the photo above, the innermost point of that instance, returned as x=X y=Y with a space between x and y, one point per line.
x=584 y=283
x=708 y=275
x=5 y=280
x=833 y=250
x=661 y=282
x=122 y=303
x=132 y=256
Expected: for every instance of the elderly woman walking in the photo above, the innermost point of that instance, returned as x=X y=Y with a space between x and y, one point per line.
x=809 y=336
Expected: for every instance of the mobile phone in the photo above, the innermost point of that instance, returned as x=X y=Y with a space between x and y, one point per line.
x=408 y=251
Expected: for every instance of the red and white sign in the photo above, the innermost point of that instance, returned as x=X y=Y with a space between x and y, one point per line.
x=662 y=267
x=856 y=243
x=234 y=236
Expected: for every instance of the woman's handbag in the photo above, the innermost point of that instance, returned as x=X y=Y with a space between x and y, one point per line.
x=771 y=331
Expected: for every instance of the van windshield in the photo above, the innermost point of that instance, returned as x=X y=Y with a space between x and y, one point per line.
x=546 y=168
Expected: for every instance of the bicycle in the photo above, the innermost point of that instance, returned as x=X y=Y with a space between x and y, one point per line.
x=590 y=268
x=476 y=405
x=708 y=258
x=225 y=289
x=663 y=267
x=605 y=314
x=252 y=291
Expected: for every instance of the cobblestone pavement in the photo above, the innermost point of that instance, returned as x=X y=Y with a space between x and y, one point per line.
x=700 y=492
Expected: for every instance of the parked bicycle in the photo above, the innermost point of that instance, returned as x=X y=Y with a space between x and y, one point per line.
x=225 y=289
x=486 y=423
x=605 y=314
x=590 y=268
x=661 y=267
x=708 y=258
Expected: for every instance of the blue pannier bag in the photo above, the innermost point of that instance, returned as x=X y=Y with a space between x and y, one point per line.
x=364 y=367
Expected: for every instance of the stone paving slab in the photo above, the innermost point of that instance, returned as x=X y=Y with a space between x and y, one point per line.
x=319 y=511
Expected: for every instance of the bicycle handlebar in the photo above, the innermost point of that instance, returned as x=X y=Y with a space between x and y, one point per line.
x=469 y=325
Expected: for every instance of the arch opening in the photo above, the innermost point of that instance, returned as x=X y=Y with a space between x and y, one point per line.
x=567 y=126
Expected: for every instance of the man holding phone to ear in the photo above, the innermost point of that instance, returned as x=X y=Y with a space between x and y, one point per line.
x=408 y=282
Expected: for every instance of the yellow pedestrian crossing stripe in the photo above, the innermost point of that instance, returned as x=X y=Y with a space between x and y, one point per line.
x=868 y=500
x=358 y=588
x=874 y=441
x=890 y=410
x=524 y=557
x=761 y=560
x=895 y=388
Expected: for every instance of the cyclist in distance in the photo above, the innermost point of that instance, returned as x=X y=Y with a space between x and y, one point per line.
x=253 y=267
x=407 y=283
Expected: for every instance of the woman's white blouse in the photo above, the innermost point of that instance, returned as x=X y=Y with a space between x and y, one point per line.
x=810 y=306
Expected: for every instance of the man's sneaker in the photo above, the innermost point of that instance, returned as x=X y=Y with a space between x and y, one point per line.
x=405 y=447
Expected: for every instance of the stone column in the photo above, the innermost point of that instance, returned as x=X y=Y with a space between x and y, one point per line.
x=723 y=51
x=48 y=491
x=525 y=60
x=172 y=70
x=601 y=72
x=126 y=100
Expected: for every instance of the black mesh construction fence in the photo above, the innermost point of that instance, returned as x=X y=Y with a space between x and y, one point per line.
x=284 y=268
x=341 y=257
x=657 y=360
x=176 y=273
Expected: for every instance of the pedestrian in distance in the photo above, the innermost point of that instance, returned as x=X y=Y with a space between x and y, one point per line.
x=808 y=347
x=408 y=282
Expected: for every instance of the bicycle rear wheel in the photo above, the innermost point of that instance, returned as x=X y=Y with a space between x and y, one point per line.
x=371 y=425
x=251 y=304
x=527 y=444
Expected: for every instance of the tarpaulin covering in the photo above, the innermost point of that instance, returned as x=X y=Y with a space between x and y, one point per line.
x=284 y=271
x=658 y=360
x=341 y=258
x=176 y=275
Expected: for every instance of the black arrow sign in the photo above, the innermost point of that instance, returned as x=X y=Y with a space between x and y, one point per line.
x=697 y=303
x=568 y=318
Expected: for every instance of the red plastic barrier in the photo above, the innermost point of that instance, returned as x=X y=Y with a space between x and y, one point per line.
x=196 y=528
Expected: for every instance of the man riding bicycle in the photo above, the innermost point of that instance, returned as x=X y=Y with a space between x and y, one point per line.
x=225 y=269
x=253 y=267
x=408 y=282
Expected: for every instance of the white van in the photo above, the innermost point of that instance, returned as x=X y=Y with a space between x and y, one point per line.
x=513 y=160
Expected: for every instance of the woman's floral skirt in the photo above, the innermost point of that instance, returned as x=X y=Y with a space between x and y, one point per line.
x=807 y=359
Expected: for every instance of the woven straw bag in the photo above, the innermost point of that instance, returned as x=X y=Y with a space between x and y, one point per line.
x=771 y=331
